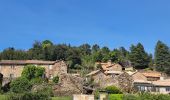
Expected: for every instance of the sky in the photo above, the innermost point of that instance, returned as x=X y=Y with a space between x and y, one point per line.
x=111 y=23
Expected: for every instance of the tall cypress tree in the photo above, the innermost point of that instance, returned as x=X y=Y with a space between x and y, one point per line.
x=138 y=56
x=162 y=57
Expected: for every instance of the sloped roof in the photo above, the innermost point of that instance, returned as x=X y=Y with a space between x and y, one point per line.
x=106 y=66
x=165 y=82
x=113 y=72
x=138 y=76
x=93 y=72
x=24 y=62
x=151 y=74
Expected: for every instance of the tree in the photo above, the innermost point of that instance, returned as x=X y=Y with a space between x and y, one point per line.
x=97 y=56
x=37 y=51
x=20 y=85
x=138 y=56
x=105 y=52
x=113 y=55
x=85 y=49
x=8 y=54
x=162 y=57
x=12 y=54
x=46 y=43
x=30 y=72
x=95 y=48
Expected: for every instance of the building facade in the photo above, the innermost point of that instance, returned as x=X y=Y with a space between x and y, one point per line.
x=14 y=68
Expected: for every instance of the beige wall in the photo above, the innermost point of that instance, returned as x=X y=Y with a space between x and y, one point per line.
x=14 y=70
x=83 y=97
x=50 y=70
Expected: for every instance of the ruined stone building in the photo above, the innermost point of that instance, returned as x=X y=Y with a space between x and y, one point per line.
x=14 y=68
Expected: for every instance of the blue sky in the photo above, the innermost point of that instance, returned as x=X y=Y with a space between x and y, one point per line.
x=111 y=23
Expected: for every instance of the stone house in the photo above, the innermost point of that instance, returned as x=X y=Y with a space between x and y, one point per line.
x=152 y=75
x=122 y=80
x=160 y=86
x=13 y=68
x=114 y=68
x=151 y=81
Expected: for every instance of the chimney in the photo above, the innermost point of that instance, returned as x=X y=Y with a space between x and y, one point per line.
x=109 y=62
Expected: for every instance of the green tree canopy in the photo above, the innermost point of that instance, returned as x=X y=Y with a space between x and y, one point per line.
x=31 y=71
x=162 y=57
x=138 y=56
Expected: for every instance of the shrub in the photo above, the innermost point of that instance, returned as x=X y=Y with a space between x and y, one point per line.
x=96 y=94
x=130 y=97
x=37 y=81
x=163 y=97
x=113 y=90
x=56 y=79
x=20 y=85
x=115 y=96
x=31 y=72
x=147 y=96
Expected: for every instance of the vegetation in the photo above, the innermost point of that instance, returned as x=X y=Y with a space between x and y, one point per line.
x=162 y=57
x=61 y=98
x=141 y=96
x=31 y=72
x=115 y=97
x=55 y=79
x=139 y=58
x=20 y=85
x=28 y=96
x=113 y=90
x=82 y=57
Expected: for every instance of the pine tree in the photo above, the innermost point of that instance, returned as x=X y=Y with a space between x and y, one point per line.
x=162 y=57
x=138 y=56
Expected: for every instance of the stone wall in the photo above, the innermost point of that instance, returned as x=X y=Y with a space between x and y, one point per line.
x=15 y=70
x=83 y=97
x=125 y=82
x=68 y=85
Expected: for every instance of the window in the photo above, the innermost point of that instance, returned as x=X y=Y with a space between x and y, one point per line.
x=167 y=88
x=11 y=76
x=123 y=69
x=12 y=67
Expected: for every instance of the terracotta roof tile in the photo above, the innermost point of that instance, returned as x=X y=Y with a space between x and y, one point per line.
x=93 y=72
x=151 y=74
x=24 y=62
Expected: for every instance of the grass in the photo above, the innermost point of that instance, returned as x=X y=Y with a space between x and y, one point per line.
x=60 y=98
x=3 y=97
x=115 y=96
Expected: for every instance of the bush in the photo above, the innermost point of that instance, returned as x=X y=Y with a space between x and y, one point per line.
x=149 y=96
x=31 y=71
x=96 y=94
x=28 y=96
x=130 y=97
x=115 y=96
x=56 y=79
x=37 y=81
x=163 y=97
x=20 y=85
x=113 y=90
